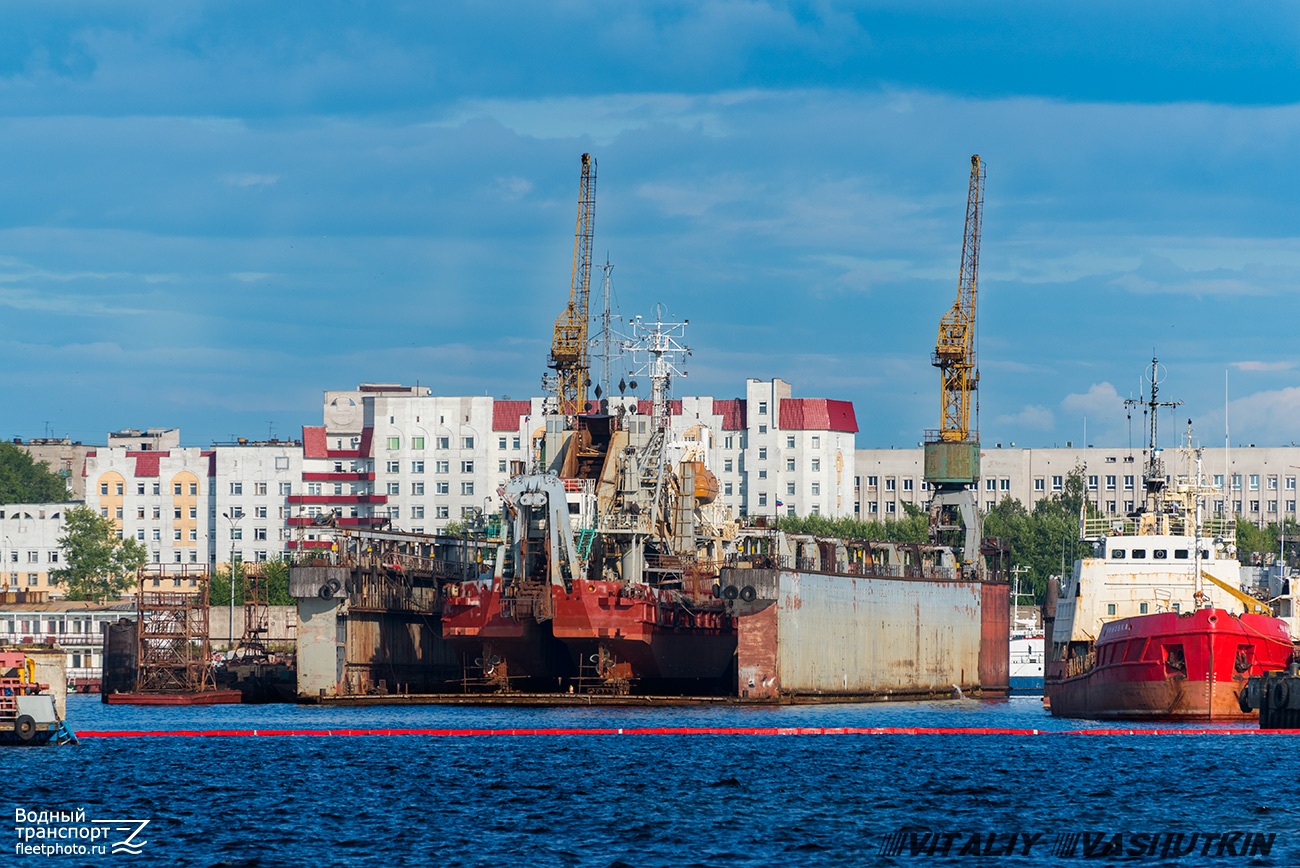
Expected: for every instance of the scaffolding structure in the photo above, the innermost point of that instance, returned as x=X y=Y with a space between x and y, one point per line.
x=173 y=652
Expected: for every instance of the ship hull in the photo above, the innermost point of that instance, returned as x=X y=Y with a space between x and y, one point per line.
x=498 y=638
x=1167 y=666
x=650 y=634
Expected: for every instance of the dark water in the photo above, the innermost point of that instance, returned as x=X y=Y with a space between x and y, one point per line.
x=648 y=800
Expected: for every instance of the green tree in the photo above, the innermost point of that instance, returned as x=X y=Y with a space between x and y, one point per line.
x=277 y=584
x=99 y=565
x=22 y=480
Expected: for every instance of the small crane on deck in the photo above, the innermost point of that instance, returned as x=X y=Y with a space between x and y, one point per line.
x=569 y=346
x=952 y=453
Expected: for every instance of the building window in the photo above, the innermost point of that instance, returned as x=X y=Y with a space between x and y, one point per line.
x=762 y=429
x=1272 y=483
x=286 y=488
x=259 y=533
x=1058 y=483
x=1092 y=483
x=873 y=481
x=816 y=442
x=417 y=488
x=816 y=488
x=1005 y=484
x=394 y=488
x=907 y=484
x=762 y=499
x=443 y=442
x=514 y=443
x=890 y=506
x=417 y=466
x=727 y=442
x=762 y=408
x=194 y=511
x=762 y=453
x=789 y=441
x=259 y=489
x=442 y=487
x=157 y=534
x=789 y=488
x=394 y=442
x=762 y=474
x=235 y=533
x=417 y=442
x=442 y=467
x=991 y=484
x=194 y=534
x=259 y=512
x=1254 y=482
x=1254 y=506
x=467 y=466
x=727 y=465
x=393 y=466
x=1038 y=484
x=176 y=489
x=176 y=534
x=726 y=488
x=417 y=512
x=1128 y=483
x=440 y=512
x=194 y=488
x=467 y=443
x=313 y=488
x=890 y=484
x=103 y=489
x=139 y=489
x=789 y=464
x=118 y=488
x=467 y=488
x=501 y=466
x=236 y=488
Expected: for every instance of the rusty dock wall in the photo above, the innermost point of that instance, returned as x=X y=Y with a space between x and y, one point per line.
x=811 y=635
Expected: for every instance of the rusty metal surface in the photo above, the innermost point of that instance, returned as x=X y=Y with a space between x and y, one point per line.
x=995 y=641
x=863 y=635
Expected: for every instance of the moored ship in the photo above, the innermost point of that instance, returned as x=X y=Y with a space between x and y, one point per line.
x=1154 y=624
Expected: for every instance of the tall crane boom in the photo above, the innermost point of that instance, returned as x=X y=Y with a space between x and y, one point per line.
x=954 y=352
x=569 y=347
x=952 y=453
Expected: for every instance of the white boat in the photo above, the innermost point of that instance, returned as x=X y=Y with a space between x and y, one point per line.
x=1026 y=645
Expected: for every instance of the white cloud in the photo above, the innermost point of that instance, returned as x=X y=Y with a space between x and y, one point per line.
x=1263 y=367
x=1033 y=416
x=1100 y=400
x=249 y=179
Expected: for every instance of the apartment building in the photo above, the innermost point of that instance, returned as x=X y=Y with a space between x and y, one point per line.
x=1257 y=483
x=29 y=545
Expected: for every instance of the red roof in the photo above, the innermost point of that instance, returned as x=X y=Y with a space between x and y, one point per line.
x=506 y=414
x=644 y=406
x=146 y=463
x=818 y=414
x=732 y=412
x=313 y=442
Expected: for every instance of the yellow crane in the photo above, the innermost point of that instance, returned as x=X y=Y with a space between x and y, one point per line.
x=569 y=347
x=954 y=352
x=952 y=453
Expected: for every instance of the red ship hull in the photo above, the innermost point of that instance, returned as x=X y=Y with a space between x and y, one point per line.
x=482 y=627
x=651 y=633
x=1169 y=666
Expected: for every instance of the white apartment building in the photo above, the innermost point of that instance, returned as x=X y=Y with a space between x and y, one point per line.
x=29 y=545
x=249 y=512
x=1261 y=481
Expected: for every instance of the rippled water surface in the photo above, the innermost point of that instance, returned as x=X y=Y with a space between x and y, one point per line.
x=648 y=800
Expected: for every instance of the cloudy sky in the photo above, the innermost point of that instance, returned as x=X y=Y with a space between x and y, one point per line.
x=212 y=212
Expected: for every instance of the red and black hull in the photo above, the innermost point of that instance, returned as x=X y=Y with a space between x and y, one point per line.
x=500 y=636
x=655 y=636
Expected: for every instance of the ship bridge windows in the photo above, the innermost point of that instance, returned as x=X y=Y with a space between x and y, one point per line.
x=1139 y=554
x=1118 y=554
x=1182 y=554
x=1160 y=554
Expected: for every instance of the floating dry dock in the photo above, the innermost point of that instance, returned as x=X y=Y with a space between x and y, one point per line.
x=812 y=620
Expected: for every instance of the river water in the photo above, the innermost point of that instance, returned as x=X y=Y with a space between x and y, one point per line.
x=656 y=800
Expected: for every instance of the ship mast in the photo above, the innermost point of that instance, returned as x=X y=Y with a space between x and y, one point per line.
x=1153 y=475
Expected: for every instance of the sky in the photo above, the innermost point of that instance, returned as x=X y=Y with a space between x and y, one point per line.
x=212 y=212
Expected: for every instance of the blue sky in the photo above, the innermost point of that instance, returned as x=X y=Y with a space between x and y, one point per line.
x=212 y=213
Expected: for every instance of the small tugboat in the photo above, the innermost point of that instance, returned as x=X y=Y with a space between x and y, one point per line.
x=1145 y=628
x=27 y=712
